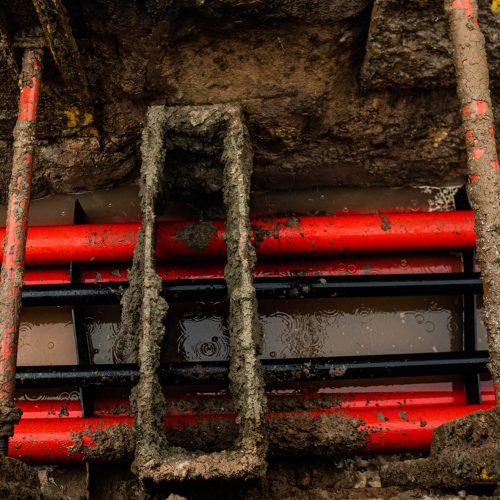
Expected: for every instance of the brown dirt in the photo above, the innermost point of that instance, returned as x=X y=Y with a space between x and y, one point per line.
x=329 y=435
x=114 y=444
x=18 y=481
x=464 y=452
x=288 y=479
x=154 y=460
x=410 y=47
x=310 y=123
x=197 y=235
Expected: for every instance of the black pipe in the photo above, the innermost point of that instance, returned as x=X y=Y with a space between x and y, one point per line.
x=283 y=370
x=310 y=287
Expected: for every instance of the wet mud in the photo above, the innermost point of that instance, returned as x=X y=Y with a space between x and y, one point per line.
x=289 y=435
x=197 y=235
x=348 y=478
x=293 y=66
x=464 y=452
x=18 y=481
x=155 y=461
x=114 y=444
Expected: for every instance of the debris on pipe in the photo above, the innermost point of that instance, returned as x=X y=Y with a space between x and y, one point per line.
x=310 y=432
x=473 y=90
x=13 y=262
x=283 y=237
x=348 y=265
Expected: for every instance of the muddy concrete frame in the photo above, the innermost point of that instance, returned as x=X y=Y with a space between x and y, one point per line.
x=156 y=461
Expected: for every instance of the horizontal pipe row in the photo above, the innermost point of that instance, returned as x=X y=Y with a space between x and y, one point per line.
x=303 y=287
x=346 y=265
x=183 y=400
x=312 y=235
x=392 y=430
x=323 y=369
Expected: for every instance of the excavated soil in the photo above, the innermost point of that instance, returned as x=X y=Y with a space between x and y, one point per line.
x=18 y=481
x=197 y=235
x=293 y=66
x=464 y=452
x=290 y=479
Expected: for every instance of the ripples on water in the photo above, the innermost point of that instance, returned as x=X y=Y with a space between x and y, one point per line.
x=46 y=337
x=306 y=328
x=292 y=328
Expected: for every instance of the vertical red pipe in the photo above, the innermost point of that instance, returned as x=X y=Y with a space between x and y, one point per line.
x=15 y=239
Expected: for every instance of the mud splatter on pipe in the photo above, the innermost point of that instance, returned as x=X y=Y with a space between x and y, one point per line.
x=472 y=74
x=350 y=265
x=276 y=237
x=392 y=430
x=15 y=238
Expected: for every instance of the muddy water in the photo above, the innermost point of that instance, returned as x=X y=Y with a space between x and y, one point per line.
x=112 y=205
x=46 y=337
x=354 y=200
x=121 y=204
x=292 y=328
x=482 y=336
x=302 y=328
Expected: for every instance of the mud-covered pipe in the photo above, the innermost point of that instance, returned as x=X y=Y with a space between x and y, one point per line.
x=328 y=430
x=278 y=237
x=473 y=90
x=15 y=237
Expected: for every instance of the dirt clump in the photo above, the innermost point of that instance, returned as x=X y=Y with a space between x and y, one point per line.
x=197 y=235
x=464 y=452
x=327 y=435
x=116 y=443
x=18 y=481
x=418 y=56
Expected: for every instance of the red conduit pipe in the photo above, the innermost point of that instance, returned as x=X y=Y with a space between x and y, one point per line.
x=15 y=238
x=283 y=237
x=349 y=265
x=381 y=397
x=389 y=431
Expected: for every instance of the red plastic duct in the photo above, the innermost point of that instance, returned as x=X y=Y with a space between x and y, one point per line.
x=392 y=430
x=348 y=265
x=314 y=235
x=377 y=397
